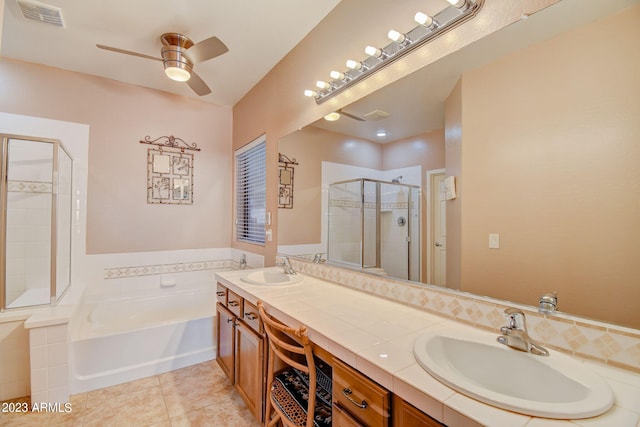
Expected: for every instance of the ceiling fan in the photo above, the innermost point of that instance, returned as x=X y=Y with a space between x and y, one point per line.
x=335 y=115
x=179 y=54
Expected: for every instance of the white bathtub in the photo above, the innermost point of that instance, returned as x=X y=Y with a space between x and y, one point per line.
x=119 y=340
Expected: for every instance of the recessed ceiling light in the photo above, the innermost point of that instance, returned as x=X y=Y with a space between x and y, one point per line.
x=381 y=133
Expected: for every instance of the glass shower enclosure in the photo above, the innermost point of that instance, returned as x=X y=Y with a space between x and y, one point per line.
x=35 y=221
x=375 y=225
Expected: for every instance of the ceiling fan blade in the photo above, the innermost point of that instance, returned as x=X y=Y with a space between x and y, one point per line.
x=344 y=113
x=127 y=52
x=198 y=85
x=206 y=49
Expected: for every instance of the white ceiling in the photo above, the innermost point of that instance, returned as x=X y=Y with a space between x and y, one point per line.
x=258 y=34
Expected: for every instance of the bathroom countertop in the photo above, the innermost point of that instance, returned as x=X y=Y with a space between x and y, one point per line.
x=376 y=336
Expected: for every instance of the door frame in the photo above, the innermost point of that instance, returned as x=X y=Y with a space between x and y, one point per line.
x=430 y=238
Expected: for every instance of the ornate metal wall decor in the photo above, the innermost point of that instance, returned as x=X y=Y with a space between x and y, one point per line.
x=170 y=142
x=169 y=177
x=169 y=172
x=285 y=188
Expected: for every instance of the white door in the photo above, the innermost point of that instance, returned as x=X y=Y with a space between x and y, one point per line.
x=439 y=230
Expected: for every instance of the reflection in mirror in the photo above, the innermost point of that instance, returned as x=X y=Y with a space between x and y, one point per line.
x=375 y=226
x=538 y=125
x=181 y=189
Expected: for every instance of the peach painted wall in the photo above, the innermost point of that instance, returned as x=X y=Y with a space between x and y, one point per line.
x=119 y=115
x=310 y=146
x=569 y=106
x=275 y=106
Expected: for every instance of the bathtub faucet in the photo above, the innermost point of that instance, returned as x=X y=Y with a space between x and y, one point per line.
x=243 y=261
x=318 y=258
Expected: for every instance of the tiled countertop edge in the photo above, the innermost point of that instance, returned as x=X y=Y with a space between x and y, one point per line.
x=606 y=343
x=415 y=386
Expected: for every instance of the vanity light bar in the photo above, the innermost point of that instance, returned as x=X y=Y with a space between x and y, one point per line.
x=434 y=26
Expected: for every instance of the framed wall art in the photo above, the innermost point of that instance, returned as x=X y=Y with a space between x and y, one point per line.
x=285 y=182
x=169 y=177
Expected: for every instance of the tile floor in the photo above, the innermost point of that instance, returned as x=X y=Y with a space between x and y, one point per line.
x=198 y=395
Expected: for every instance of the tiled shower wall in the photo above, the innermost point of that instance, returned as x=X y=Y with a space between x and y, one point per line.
x=28 y=237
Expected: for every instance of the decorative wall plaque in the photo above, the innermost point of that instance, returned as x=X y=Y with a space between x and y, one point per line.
x=285 y=186
x=169 y=177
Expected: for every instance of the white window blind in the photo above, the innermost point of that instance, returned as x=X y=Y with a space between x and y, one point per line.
x=251 y=168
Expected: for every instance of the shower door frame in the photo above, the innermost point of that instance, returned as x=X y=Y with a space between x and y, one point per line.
x=4 y=170
x=412 y=188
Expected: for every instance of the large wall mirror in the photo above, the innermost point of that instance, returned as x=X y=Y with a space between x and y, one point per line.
x=538 y=124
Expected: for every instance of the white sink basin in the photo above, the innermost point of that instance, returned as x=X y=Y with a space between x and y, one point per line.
x=271 y=277
x=474 y=364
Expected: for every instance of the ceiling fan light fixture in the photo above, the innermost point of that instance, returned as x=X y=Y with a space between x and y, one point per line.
x=176 y=72
x=176 y=65
x=332 y=117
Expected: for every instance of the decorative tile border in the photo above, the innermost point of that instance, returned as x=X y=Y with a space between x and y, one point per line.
x=611 y=344
x=337 y=203
x=29 y=187
x=183 y=267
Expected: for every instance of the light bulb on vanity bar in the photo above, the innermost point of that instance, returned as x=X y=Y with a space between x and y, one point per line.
x=396 y=36
x=374 y=51
x=354 y=65
x=337 y=75
x=424 y=19
x=460 y=4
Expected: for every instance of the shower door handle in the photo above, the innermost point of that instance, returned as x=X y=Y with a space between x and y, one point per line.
x=439 y=244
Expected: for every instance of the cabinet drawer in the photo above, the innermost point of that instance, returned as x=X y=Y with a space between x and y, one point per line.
x=221 y=294
x=234 y=303
x=359 y=396
x=251 y=317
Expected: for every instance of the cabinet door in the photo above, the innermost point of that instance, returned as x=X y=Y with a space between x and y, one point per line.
x=225 y=340
x=250 y=368
x=406 y=415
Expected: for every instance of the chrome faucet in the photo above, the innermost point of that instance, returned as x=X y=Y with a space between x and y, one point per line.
x=243 y=261
x=515 y=334
x=286 y=265
x=548 y=303
x=317 y=258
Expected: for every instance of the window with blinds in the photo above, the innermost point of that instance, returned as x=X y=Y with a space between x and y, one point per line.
x=251 y=169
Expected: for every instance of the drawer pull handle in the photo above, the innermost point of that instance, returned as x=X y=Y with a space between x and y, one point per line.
x=347 y=393
x=250 y=316
x=234 y=303
x=220 y=293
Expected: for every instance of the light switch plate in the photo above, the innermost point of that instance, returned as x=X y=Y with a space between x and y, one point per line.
x=494 y=241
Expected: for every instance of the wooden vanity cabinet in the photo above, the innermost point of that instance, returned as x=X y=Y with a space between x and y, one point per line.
x=226 y=341
x=241 y=344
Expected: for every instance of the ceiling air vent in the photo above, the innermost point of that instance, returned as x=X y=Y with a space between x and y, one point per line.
x=41 y=12
x=376 y=115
